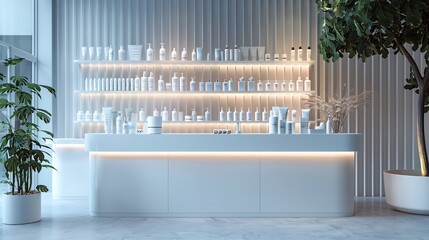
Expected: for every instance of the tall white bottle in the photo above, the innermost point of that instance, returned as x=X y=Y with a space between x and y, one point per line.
x=110 y=53
x=291 y=86
x=236 y=116
x=164 y=115
x=121 y=53
x=230 y=85
x=217 y=86
x=300 y=53
x=265 y=115
x=299 y=85
x=307 y=84
x=268 y=86
x=192 y=85
x=162 y=53
x=222 y=115
x=184 y=55
x=119 y=123
x=161 y=84
x=260 y=86
x=241 y=85
x=276 y=86
x=209 y=86
x=137 y=84
x=225 y=86
x=173 y=55
x=207 y=115
x=251 y=85
x=194 y=55
x=284 y=86
x=237 y=53
x=174 y=83
x=249 y=115
x=182 y=83
x=309 y=53
x=292 y=54
x=174 y=115
x=229 y=116
x=201 y=86
x=144 y=82
x=226 y=53
x=151 y=82
x=257 y=115
x=242 y=117
x=149 y=53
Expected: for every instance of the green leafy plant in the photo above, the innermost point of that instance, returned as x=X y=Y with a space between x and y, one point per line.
x=23 y=148
x=364 y=28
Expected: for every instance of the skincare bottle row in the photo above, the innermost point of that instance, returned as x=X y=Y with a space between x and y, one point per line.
x=242 y=116
x=146 y=83
x=117 y=123
x=96 y=53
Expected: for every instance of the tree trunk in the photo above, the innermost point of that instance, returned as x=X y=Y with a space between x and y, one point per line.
x=421 y=142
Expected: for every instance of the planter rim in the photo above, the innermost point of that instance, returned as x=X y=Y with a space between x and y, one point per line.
x=405 y=172
x=21 y=195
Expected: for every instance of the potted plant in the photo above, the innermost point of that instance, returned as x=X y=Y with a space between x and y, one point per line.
x=23 y=147
x=372 y=27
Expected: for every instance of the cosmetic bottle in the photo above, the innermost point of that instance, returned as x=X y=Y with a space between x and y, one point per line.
x=249 y=115
x=229 y=116
x=164 y=115
x=125 y=127
x=292 y=54
x=276 y=86
x=237 y=53
x=308 y=53
x=209 y=86
x=161 y=84
x=284 y=86
x=106 y=53
x=182 y=83
x=236 y=116
x=144 y=82
x=267 y=57
x=284 y=57
x=265 y=115
x=162 y=53
x=132 y=85
x=151 y=82
x=121 y=53
x=96 y=117
x=242 y=115
x=88 y=116
x=276 y=57
x=241 y=85
x=217 y=54
x=110 y=53
x=257 y=115
x=155 y=112
x=291 y=87
x=149 y=53
x=116 y=84
x=230 y=85
x=90 y=84
x=300 y=53
x=273 y=123
x=194 y=115
x=184 y=55
x=260 y=87
x=217 y=86
x=98 y=87
x=174 y=115
x=328 y=126
x=111 y=84
x=192 y=85
x=142 y=115
x=119 y=123
x=207 y=115
x=80 y=116
x=86 y=84
x=174 y=83
x=201 y=86
x=221 y=115
x=209 y=57
x=268 y=86
x=305 y=118
x=299 y=85
x=226 y=53
x=251 y=85
x=194 y=55
x=237 y=128
x=292 y=123
x=103 y=84
x=174 y=54
x=307 y=84
x=199 y=54
x=123 y=85
x=114 y=115
x=231 y=54
x=131 y=128
x=83 y=53
x=137 y=84
x=225 y=86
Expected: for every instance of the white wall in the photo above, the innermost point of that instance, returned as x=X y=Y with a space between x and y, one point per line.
x=16 y=17
x=387 y=123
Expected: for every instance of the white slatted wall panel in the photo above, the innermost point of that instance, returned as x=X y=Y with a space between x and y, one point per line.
x=387 y=122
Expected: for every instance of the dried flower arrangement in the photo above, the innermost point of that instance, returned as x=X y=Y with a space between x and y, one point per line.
x=338 y=108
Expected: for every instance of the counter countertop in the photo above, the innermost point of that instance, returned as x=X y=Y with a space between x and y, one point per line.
x=98 y=142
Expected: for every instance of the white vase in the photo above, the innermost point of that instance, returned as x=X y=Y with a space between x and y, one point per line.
x=407 y=191
x=21 y=209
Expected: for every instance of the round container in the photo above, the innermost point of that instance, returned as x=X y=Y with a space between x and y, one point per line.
x=200 y=118
x=188 y=118
x=154 y=125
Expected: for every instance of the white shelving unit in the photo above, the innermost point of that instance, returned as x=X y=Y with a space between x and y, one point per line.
x=185 y=101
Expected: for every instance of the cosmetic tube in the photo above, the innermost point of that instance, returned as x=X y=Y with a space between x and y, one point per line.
x=282 y=119
x=305 y=117
x=107 y=115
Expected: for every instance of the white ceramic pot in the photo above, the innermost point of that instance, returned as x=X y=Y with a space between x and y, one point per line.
x=407 y=191
x=21 y=209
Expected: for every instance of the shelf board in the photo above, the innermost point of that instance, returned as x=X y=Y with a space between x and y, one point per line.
x=194 y=93
x=194 y=63
x=183 y=122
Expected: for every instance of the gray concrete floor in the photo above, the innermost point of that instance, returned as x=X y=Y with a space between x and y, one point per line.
x=69 y=219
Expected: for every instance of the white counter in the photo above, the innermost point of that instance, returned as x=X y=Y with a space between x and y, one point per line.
x=205 y=175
